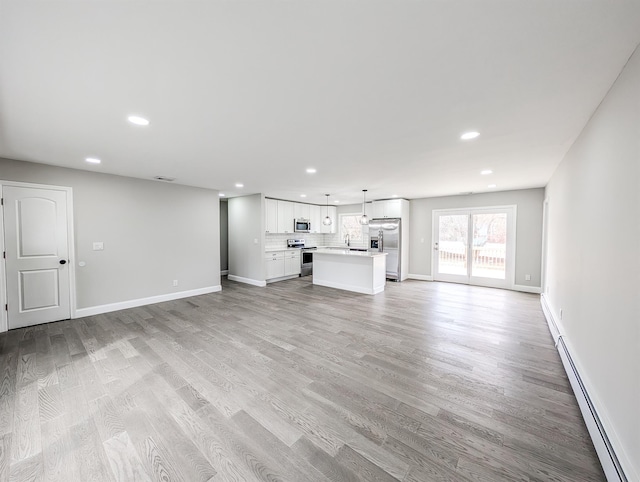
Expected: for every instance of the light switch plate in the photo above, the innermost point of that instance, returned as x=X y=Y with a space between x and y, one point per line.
x=98 y=245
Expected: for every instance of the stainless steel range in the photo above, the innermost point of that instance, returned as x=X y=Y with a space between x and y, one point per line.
x=306 y=256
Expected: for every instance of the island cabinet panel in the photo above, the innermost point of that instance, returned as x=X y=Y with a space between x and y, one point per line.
x=285 y=217
x=362 y=272
x=270 y=216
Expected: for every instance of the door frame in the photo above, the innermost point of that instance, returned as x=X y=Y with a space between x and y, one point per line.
x=510 y=268
x=4 y=320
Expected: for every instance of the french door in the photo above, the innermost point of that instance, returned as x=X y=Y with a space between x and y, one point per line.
x=475 y=246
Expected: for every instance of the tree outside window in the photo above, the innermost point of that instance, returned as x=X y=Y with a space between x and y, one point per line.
x=350 y=225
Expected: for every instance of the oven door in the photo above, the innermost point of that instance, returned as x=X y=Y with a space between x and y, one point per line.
x=306 y=263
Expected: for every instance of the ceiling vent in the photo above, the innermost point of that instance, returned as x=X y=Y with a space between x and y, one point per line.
x=165 y=178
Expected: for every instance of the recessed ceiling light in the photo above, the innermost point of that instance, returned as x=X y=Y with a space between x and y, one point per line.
x=137 y=120
x=336 y=202
x=394 y=195
x=303 y=195
x=221 y=194
x=491 y=186
x=238 y=184
x=93 y=160
x=469 y=135
x=311 y=170
x=486 y=171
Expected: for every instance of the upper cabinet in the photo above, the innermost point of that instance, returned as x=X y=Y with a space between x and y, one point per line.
x=285 y=216
x=271 y=216
x=390 y=208
x=301 y=211
x=315 y=216
x=279 y=216
x=333 y=214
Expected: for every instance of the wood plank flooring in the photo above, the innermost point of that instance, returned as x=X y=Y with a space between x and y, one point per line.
x=426 y=381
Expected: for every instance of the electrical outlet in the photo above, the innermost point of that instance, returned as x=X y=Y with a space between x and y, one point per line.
x=527 y=277
x=175 y=282
x=98 y=245
x=560 y=313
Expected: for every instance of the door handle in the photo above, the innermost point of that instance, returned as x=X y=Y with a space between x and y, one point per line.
x=435 y=246
x=63 y=261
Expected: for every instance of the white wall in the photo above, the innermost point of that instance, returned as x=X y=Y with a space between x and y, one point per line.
x=153 y=233
x=593 y=260
x=224 y=235
x=246 y=238
x=529 y=204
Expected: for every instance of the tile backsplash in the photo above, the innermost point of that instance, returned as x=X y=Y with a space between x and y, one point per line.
x=273 y=241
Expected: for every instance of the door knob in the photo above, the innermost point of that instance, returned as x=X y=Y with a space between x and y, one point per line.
x=63 y=261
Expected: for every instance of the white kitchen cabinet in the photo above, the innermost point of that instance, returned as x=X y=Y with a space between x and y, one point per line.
x=390 y=208
x=270 y=216
x=285 y=217
x=291 y=262
x=274 y=265
x=333 y=214
x=279 y=264
x=301 y=211
x=315 y=215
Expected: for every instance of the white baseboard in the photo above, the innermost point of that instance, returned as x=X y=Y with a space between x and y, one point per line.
x=589 y=407
x=248 y=281
x=282 y=278
x=224 y=272
x=421 y=277
x=528 y=289
x=123 y=305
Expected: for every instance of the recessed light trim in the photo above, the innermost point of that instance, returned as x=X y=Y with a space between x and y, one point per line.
x=469 y=135
x=221 y=194
x=336 y=201
x=491 y=186
x=137 y=120
x=486 y=172
x=303 y=195
x=239 y=184
x=394 y=195
x=92 y=160
x=311 y=170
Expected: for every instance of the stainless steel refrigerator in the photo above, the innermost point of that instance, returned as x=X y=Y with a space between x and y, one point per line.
x=385 y=236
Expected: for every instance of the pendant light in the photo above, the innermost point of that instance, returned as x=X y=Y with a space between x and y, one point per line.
x=364 y=219
x=327 y=220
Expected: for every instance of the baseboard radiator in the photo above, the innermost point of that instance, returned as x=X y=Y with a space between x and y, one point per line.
x=608 y=459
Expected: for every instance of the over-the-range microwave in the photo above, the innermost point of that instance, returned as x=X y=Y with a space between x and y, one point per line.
x=301 y=226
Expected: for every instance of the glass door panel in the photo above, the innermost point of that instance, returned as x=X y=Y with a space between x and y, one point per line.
x=475 y=246
x=489 y=245
x=452 y=246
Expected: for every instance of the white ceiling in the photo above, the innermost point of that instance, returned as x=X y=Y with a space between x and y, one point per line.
x=373 y=94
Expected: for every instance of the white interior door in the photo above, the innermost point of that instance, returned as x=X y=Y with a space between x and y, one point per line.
x=37 y=255
x=475 y=246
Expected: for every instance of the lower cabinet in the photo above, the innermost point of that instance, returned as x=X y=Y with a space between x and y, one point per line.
x=282 y=263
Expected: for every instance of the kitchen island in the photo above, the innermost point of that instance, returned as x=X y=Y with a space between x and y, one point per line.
x=359 y=271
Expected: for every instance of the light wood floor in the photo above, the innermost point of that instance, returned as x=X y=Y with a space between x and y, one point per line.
x=426 y=381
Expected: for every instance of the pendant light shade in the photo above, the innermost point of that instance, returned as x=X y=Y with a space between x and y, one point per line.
x=364 y=219
x=327 y=220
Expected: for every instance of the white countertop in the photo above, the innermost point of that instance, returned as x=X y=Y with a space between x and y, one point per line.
x=348 y=252
x=274 y=250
